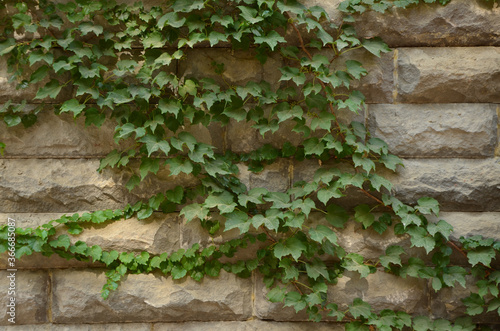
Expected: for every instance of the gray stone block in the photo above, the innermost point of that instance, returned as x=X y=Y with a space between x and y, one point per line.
x=31 y=296
x=448 y=75
x=436 y=130
x=251 y=325
x=148 y=298
x=82 y=327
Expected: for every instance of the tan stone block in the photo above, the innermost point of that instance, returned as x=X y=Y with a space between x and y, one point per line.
x=448 y=75
x=149 y=298
x=31 y=296
x=434 y=130
x=252 y=325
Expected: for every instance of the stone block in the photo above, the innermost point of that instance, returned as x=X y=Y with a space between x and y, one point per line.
x=448 y=75
x=434 y=130
x=31 y=297
x=251 y=325
x=148 y=298
x=240 y=67
x=66 y=185
x=82 y=327
x=459 y=23
x=458 y=184
x=380 y=290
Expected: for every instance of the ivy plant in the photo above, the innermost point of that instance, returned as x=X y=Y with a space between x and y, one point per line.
x=106 y=61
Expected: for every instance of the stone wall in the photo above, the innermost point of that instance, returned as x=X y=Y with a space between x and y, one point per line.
x=434 y=99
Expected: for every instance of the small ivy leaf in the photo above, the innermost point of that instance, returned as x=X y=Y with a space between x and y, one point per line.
x=316 y=269
x=363 y=215
x=474 y=304
x=95 y=252
x=39 y=74
x=144 y=213
x=294 y=74
x=187 y=6
x=7 y=45
x=392 y=255
x=354 y=262
x=378 y=146
x=313 y=146
x=72 y=106
x=454 y=274
x=109 y=257
x=390 y=161
x=51 y=89
x=355 y=69
x=12 y=120
x=177 y=165
x=149 y=165
x=291 y=271
x=194 y=210
x=237 y=219
x=294 y=299
x=375 y=46
x=360 y=161
x=379 y=181
x=428 y=205
x=171 y=19
x=61 y=241
x=292 y=246
x=420 y=238
x=442 y=227
x=337 y=216
x=178 y=272
x=272 y=39
x=320 y=232
x=359 y=308
x=422 y=323
x=277 y=294
x=272 y=223
x=88 y=27
x=482 y=255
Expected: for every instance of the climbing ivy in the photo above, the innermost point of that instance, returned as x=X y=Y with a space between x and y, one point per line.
x=113 y=62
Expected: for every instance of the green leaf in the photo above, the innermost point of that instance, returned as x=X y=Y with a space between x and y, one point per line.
x=51 y=89
x=292 y=246
x=224 y=202
x=313 y=146
x=237 y=219
x=177 y=165
x=361 y=161
x=109 y=257
x=7 y=45
x=12 y=120
x=354 y=262
x=363 y=215
x=422 y=323
x=359 y=308
x=294 y=299
x=391 y=161
x=272 y=39
x=442 y=227
x=420 y=238
x=187 y=6
x=88 y=27
x=355 y=69
x=294 y=74
x=316 y=269
x=375 y=46
x=178 y=272
x=392 y=255
x=337 y=216
x=194 y=210
x=61 y=241
x=482 y=255
x=474 y=304
x=39 y=74
x=250 y=14
x=149 y=165
x=277 y=294
x=72 y=106
x=321 y=232
x=428 y=205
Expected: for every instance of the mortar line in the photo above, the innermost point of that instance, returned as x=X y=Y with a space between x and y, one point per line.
x=50 y=299
x=395 y=76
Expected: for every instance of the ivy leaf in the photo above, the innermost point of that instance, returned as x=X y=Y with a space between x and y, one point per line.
x=177 y=165
x=474 y=304
x=482 y=255
x=178 y=272
x=442 y=227
x=337 y=216
x=428 y=205
x=39 y=74
x=72 y=106
x=51 y=89
x=316 y=269
x=355 y=69
x=294 y=74
x=12 y=120
x=294 y=299
x=272 y=223
x=313 y=146
x=291 y=271
x=360 y=161
x=7 y=45
x=61 y=241
x=375 y=46
x=237 y=219
x=420 y=238
x=359 y=308
x=354 y=262
x=250 y=14
x=277 y=294
x=292 y=246
x=224 y=202
x=392 y=255
x=194 y=210
x=272 y=39
x=109 y=257
x=88 y=27
x=379 y=181
x=187 y=6
x=320 y=232
x=363 y=215
x=391 y=161
x=422 y=323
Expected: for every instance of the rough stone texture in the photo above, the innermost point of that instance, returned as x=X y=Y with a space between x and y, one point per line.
x=458 y=184
x=253 y=325
x=380 y=290
x=53 y=185
x=459 y=23
x=32 y=288
x=451 y=130
x=82 y=327
x=239 y=67
x=148 y=298
x=448 y=75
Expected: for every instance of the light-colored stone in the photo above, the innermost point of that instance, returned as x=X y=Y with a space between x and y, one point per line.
x=459 y=23
x=148 y=298
x=252 y=325
x=380 y=290
x=457 y=184
x=434 y=130
x=82 y=327
x=448 y=75
x=31 y=296
x=66 y=185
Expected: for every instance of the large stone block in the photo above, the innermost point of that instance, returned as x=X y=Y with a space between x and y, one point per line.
x=239 y=67
x=31 y=296
x=448 y=75
x=82 y=327
x=433 y=130
x=252 y=325
x=380 y=290
x=459 y=23
x=458 y=184
x=148 y=298
x=67 y=185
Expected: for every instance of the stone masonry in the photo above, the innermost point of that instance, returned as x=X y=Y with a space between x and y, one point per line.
x=435 y=99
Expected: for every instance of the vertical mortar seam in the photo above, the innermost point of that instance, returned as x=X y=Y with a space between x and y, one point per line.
x=254 y=309
x=395 y=77
x=50 y=296
x=496 y=152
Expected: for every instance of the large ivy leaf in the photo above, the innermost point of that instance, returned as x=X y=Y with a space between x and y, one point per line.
x=51 y=89
x=292 y=246
x=375 y=46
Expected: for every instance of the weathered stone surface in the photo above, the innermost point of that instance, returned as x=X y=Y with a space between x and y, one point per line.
x=31 y=294
x=471 y=224
x=433 y=130
x=82 y=327
x=252 y=325
x=448 y=75
x=380 y=290
x=148 y=298
x=239 y=67
x=459 y=23
x=62 y=185
x=458 y=184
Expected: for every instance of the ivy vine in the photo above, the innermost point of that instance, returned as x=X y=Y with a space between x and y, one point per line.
x=86 y=46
